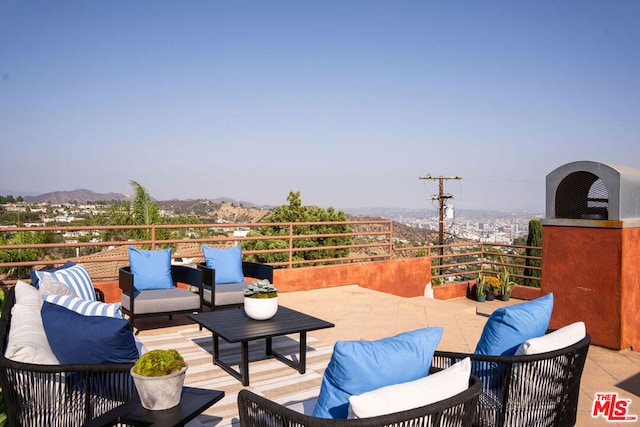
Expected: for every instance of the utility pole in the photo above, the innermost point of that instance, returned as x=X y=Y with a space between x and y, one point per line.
x=441 y=197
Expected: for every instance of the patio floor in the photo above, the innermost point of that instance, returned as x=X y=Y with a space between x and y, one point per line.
x=360 y=313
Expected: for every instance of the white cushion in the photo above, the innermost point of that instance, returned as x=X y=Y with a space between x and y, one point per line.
x=556 y=340
x=27 y=340
x=413 y=394
x=87 y=308
x=28 y=296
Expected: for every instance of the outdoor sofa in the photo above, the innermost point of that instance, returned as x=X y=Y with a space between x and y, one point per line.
x=258 y=411
x=57 y=395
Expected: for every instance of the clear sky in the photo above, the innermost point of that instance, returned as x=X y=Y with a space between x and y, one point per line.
x=346 y=101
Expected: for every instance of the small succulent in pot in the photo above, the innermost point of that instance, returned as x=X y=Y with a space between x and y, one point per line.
x=260 y=289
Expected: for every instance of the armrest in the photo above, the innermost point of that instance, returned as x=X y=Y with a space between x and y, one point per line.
x=125 y=280
x=257 y=270
x=208 y=275
x=99 y=294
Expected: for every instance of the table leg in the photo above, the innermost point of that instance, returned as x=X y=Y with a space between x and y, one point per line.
x=269 y=347
x=302 y=367
x=216 y=348
x=244 y=362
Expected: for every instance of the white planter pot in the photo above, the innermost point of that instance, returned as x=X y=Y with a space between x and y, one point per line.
x=260 y=308
x=158 y=393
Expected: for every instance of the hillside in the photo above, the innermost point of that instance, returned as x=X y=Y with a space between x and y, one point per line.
x=77 y=196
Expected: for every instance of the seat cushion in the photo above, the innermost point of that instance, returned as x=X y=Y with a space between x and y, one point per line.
x=226 y=293
x=226 y=262
x=96 y=339
x=510 y=326
x=151 y=269
x=360 y=366
x=163 y=301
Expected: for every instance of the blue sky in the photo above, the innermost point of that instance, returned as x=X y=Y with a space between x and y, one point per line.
x=348 y=101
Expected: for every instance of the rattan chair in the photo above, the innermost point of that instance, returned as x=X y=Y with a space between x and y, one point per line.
x=58 y=395
x=532 y=390
x=257 y=411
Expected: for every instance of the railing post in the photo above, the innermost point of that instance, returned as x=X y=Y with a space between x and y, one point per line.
x=290 y=245
x=153 y=236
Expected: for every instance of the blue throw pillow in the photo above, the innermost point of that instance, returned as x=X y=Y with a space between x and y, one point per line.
x=151 y=269
x=35 y=279
x=226 y=262
x=78 y=339
x=75 y=276
x=508 y=327
x=360 y=366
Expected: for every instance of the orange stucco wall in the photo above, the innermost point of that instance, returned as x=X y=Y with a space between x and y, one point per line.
x=402 y=277
x=593 y=274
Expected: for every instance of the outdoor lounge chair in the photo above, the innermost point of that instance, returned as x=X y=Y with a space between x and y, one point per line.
x=58 y=395
x=529 y=390
x=258 y=411
x=161 y=302
x=229 y=295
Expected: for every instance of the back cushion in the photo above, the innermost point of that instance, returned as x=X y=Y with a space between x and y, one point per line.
x=226 y=262
x=75 y=277
x=151 y=269
x=508 y=327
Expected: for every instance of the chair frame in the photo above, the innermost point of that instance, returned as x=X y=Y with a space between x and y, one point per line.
x=458 y=410
x=520 y=405
x=58 y=395
x=254 y=270
x=179 y=274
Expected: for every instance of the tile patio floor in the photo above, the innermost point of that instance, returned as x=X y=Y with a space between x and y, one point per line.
x=360 y=313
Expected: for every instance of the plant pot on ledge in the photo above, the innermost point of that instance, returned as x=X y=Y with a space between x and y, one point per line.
x=261 y=300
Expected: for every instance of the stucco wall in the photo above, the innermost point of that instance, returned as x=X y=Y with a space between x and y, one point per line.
x=593 y=274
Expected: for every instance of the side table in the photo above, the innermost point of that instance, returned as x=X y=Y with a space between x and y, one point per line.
x=192 y=403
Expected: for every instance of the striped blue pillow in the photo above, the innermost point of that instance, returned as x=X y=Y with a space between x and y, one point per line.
x=86 y=308
x=76 y=278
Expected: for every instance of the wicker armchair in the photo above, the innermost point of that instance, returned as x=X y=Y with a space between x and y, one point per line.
x=532 y=390
x=58 y=395
x=257 y=411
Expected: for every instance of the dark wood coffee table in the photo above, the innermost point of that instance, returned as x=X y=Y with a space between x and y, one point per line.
x=192 y=403
x=233 y=326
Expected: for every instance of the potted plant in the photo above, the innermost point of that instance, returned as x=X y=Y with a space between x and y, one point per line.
x=481 y=289
x=159 y=377
x=260 y=300
x=493 y=287
x=506 y=284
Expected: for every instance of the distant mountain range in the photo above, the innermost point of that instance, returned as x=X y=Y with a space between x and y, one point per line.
x=83 y=196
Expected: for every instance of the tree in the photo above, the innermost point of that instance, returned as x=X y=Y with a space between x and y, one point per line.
x=295 y=211
x=534 y=238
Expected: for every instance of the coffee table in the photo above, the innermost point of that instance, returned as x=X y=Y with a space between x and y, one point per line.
x=233 y=326
x=192 y=403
